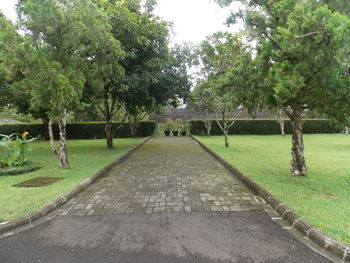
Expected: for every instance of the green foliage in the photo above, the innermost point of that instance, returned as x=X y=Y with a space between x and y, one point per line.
x=153 y=75
x=11 y=113
x=263 y=127
x=169 y=125
x=223 y=86
x=14 y=149
x=15 y=97
x=342 y=6
x=10 y=41
x=61 y=36
x=84 y=130
x=202 y=99
x=150 y=5
x=178 y=125
x=301 y=63
x=19 y=170
x=302 y=59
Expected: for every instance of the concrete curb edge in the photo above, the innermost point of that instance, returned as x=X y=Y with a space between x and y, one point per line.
x=339 y=249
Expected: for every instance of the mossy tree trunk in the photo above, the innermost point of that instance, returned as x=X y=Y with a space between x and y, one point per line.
x=61 y=154
x=298 y=164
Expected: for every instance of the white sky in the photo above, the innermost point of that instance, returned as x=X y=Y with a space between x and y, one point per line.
x=8 y=8
x=193 y=19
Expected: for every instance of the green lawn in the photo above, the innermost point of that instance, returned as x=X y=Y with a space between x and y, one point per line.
x=86 y=157
x=322 y=198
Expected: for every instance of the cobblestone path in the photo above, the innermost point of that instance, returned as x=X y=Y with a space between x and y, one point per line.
x=159 y=206
x=168 y=174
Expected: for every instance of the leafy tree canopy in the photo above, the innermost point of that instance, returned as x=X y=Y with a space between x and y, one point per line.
x=61 y=35
x=302 y=61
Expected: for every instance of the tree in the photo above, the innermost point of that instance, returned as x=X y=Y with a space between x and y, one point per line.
x=159 y=80
x=223 y=57
x=105 y=92
x=202 y=100
x=61 y=35
x=105 y=88
x=226 y=109
x=342 y=6
x=10 y=40
x=152 y=73
x=16 y=98
x=6 y=29
x=303 y=63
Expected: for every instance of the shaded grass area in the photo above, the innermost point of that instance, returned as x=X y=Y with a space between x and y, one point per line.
x=322 y=198
x=86 y=157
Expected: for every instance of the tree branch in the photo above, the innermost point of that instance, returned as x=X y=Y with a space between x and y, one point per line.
x=306 y=35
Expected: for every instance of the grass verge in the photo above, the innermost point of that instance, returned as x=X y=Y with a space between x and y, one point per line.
x=322 y=198
x=86 y=157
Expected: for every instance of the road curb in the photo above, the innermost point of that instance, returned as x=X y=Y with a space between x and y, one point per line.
x=309 y=232
x=42 y=212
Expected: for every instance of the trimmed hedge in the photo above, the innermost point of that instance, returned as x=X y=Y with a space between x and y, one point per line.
x=263 y=127
x=83 y=130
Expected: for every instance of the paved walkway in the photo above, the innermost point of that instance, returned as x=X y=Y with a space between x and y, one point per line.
x=170 y=202
x=167 y=175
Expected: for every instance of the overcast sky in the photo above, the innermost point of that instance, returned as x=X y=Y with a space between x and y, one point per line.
x=193 y=19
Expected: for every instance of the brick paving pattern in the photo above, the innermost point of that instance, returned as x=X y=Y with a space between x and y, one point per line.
x=168 y=174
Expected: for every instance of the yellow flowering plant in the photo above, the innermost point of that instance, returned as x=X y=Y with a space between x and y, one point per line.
x=14 y=149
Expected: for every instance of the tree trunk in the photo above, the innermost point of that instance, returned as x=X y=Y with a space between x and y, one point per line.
x=109 y=134
x=63 y=155
x=133 y=127
x=299 y=167
x=134 y=131
x=281 y=122
x=45 y=134
x=279 y=116
x=52 y=139
x=208 y=125
x=134 y=122
x=226 y=140
x=225 y=129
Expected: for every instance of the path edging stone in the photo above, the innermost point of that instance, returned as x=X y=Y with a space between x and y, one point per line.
x=43 y=211
x=339 y=249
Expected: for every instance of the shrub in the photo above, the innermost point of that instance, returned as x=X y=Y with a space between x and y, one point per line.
x=169 y=125
x=178 y=125
x=263 y=127
x=82 y=130
x=13 y=150
x=19 y=170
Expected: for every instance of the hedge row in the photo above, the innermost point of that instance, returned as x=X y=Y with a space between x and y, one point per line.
x=84 y=130
x=263 y=127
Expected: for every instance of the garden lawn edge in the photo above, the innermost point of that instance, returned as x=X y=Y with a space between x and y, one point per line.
x=6 y=228
x=340 y=250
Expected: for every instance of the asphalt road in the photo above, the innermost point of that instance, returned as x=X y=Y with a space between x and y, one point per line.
x=240 y=237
